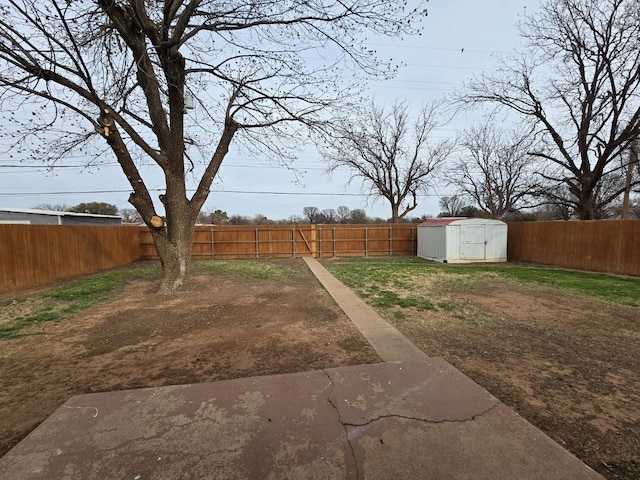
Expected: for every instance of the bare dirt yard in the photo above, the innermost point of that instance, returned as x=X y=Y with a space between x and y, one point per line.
x=568 y=364
x=228 y=326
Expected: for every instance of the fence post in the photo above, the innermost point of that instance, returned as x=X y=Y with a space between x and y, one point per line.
x=414 y=234
x=257 y=243
x=319 y=243
x=212 y=250
x=313 y=242
x=334 y=241
x=366 y=241
x=390 y=240
x=293 y=241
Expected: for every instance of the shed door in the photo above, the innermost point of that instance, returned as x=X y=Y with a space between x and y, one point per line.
x=473 y=242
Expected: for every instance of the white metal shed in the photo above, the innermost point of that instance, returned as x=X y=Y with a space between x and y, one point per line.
x=463 y=240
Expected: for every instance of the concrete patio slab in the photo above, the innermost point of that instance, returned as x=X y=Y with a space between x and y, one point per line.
x=412 y=419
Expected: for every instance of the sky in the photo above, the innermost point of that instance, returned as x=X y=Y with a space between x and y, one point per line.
x=461 y=38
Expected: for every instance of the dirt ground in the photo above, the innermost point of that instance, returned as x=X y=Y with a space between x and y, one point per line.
x=225 y=327
x=569 y=365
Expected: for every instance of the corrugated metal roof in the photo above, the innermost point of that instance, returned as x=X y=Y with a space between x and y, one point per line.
x=441 y=222
x=34 y=211
x=444 y=221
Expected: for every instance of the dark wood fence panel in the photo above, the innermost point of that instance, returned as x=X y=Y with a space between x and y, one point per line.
x=35 y=255
x=611 y=246
x=273 y=241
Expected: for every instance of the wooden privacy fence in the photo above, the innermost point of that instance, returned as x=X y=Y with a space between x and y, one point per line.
x=273 y=241
x=34 y=255
x=611 y=246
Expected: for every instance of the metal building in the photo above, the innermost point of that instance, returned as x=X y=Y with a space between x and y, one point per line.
x=47 y=217
x=463 y=240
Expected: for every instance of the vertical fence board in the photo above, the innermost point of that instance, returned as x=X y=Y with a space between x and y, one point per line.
x=35 y=255
x=282 y=241
x=611 y=246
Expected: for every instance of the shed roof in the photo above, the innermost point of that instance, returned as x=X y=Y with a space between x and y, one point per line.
x=444 y=221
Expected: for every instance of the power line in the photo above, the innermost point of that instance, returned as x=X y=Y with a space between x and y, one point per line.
x=242 y=192
x=456 y=50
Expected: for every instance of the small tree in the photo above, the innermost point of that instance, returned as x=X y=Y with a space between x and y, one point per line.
x=358 y=216
x=53 y=207
x=452 y=206
x=98 y=208
x=342 y=214
x=311 y=214
x=328 y=215
x=239 y=220
x=218 y=217
x=130 y=215
x=394 y=158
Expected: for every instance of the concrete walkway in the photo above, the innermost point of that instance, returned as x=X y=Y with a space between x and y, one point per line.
x=418 y=418
x=388 y=342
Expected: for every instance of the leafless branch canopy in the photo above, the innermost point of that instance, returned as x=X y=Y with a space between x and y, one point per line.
x=78 y=73
x=578 y=84
x=495 y=170
x=393 y=156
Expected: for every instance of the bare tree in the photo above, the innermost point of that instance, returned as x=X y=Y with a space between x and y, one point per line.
x=394 y=158
x=328 y=215
x=260 y=219
x=123 y=75
x=53 y=207
x=130 y=215
x=452 y=206
x=358 y=215
x=557 y=204
x=311 y=213
x=494 y=169
x=293 y=219
x=578 y=84
x=239 y=220
x=342 y=214
x=632 y=209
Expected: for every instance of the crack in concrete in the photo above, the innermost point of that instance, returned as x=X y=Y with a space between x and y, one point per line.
x=344 y=426
x=424 y=420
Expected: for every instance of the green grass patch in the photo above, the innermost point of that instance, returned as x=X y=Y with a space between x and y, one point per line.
x=55 y=304
x=466 y=319
x=623 y=291
x=447 y=307
x=407 y=272
x=247 y=268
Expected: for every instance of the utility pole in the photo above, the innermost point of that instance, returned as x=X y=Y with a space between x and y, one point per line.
x=633 y=160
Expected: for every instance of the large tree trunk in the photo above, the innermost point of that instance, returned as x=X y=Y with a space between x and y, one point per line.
x=175 y=258
x=395 y=216
x=586 y=209
x=174 y=245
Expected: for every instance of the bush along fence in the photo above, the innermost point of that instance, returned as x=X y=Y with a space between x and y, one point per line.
x=278 y=241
